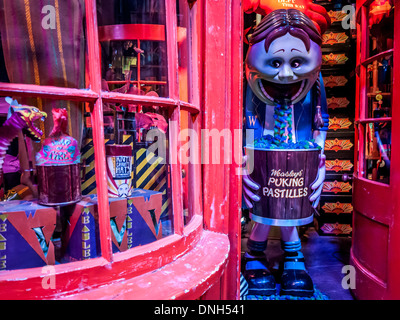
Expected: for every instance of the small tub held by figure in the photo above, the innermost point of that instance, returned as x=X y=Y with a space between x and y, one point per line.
x=284 y=177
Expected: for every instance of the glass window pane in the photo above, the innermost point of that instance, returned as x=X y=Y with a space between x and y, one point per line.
x=133 y=46
x=378 y=151
x=380 y=26
x=138 y=171
x=48 y=214
x=188 y=158
x=43 y=43
x=380 y=79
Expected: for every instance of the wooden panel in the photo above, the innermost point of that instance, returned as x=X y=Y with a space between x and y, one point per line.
x=47 y=92
x=98 y=131
x=370 y=245
x=75 y=277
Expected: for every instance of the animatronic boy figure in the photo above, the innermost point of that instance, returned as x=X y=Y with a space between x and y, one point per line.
x=283 y=69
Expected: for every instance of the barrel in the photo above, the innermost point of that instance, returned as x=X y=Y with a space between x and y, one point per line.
x=284 y=177
x=59 y=185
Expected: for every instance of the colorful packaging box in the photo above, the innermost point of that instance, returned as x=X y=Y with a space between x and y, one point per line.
x=80 y=239
x=26 y=229
x=143 y=219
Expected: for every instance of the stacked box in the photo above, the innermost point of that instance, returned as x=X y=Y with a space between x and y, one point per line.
x=134 y=221
x=26 y=229
x=80 y=238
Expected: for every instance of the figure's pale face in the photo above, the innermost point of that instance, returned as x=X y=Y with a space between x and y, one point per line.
x=286 y=72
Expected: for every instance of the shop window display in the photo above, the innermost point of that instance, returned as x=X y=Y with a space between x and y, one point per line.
x=134 y=62
x=134 y=49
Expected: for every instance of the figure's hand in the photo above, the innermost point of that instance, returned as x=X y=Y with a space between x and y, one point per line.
x=249 y=187
x=318 y=182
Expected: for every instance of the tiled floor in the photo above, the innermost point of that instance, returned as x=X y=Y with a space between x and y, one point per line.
x=325 y=257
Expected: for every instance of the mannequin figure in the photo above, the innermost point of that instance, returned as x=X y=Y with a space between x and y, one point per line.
x=283 y=69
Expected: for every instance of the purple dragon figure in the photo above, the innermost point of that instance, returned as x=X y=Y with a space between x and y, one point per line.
x=23 y=118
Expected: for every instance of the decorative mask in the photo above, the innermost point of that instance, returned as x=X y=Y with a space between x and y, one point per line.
x=284 y=59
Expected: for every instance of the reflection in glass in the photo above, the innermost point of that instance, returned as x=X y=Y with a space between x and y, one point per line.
x=379 y=79
x=40 y=49
x=133 y=47
x=380 y=26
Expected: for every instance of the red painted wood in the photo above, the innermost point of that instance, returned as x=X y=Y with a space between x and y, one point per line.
x=232 y=276
x=186 y=278
x=98 y=132
x=357 y=103
x=373 y=287
x=216 y=113
x=370 y=246
x=214 y=293
x=376 y=220
x=175 y=120
x=136 y=82
x=195 y=199
x=192 y=108
x=378 y=56
x=76 y=277
x=113 y=97
x=153 y=32
x=393 y=291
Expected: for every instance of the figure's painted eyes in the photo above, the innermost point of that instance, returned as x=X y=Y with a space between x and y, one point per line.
x=296 y=63
x=276 y=63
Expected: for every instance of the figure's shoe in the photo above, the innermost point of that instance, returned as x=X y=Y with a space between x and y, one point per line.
x=295 y=279
x=256 y=272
